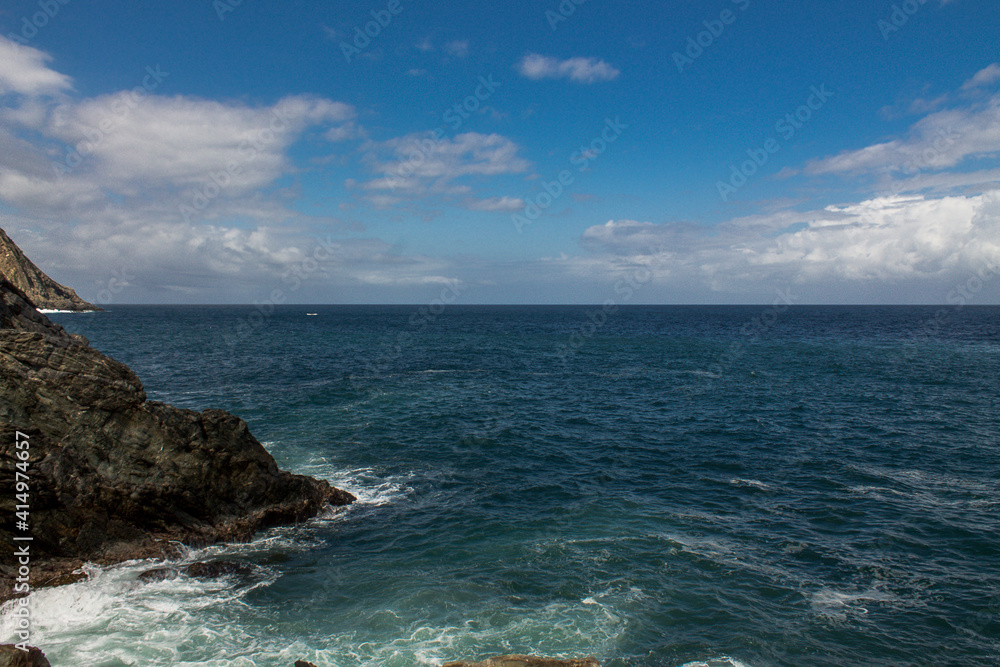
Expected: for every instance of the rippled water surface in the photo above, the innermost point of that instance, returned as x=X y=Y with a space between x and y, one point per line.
x=653 y=486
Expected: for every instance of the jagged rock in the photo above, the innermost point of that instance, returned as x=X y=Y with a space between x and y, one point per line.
x=11 y=656
x=525 y=661
x=66 y=578
x=216 y=569
x=18 y=313
x=115 y=477
x=211 y=570
x=158 y=574
x=32 y=281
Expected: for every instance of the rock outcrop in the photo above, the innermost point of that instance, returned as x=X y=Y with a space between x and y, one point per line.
x=40 y=289
x=525 y=661
x=113 y=476
x=11 y=656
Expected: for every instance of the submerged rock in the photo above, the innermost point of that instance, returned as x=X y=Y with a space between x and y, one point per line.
x=159 y=574
x=210 y=570
x=11 y=656
x=39 y=288
x=525 y=661
x=113 y=476
x=216 y=569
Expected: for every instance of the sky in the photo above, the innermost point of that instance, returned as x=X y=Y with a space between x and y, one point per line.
x=573 y=151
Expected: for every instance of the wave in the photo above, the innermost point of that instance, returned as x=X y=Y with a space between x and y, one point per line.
x=49 y=311
x=115 y=619
x=751 y=483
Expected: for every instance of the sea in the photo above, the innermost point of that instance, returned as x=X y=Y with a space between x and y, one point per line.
x=697 y=486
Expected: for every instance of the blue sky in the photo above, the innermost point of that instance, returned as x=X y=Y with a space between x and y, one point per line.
x=543 y=152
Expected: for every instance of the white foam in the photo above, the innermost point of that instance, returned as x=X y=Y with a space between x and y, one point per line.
x=757 y=484
x=368 y=485
x=724 y=661
x=707 y=374
x=837 y=604
x=112 y=614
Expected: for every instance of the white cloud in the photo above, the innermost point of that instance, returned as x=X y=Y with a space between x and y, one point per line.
x=458 y=48
x=973 y=181
x=983 y=77
x=95 y=185
x=179 y=141
x=506 y=204
x=938 y=141
x=580 y=70
x=154 y=150
x=217 y=263
x=418 y=164
x=23 y=70
x=880 y=242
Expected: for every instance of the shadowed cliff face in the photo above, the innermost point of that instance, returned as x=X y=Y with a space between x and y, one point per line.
x=113 y=476
x=32 y=281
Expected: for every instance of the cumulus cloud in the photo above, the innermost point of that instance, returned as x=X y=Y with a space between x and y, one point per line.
x=163 y=260
x=23 y=70
x=96 y=187
x=178 y=141
x=580 y=70
x=141 y=151
x=881 y=241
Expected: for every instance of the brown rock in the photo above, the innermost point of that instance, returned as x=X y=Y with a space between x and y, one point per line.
x=158 y=574
x=11 y=656
x=19 y=314
x=216 y=569
x=115 y=477
x=32 y=281
x=525 y=661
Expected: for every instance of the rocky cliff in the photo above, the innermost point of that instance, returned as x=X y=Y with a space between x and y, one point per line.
x=113 y=476
x=39 y=288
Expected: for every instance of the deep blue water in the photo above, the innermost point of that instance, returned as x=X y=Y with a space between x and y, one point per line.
x=652 y=485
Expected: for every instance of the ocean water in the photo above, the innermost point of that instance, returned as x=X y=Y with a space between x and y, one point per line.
x=699 y=486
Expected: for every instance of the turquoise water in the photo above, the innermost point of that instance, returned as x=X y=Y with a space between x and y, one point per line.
x=655 y=486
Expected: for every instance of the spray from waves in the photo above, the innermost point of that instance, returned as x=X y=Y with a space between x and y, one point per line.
x=113 y=618
x=837 y=605
x=370 y=486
